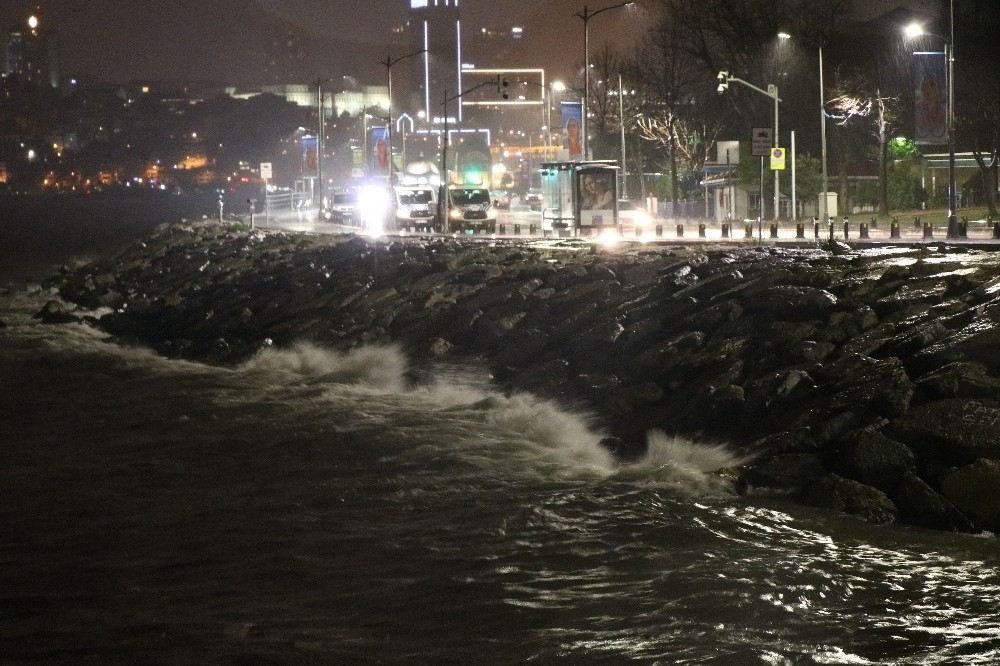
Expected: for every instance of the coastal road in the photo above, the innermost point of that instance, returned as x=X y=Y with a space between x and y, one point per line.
x=525 y=220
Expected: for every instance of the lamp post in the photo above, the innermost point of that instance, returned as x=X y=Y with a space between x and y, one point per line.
x=913 y=31
x=388 y=63
x=824 y=211
x=585 y=16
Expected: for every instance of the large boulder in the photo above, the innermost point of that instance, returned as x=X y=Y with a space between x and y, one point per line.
x=975 y=489
x=55 y=312
x=959 y=431
x=872 y=458
x=840 y=494
x=921 y=505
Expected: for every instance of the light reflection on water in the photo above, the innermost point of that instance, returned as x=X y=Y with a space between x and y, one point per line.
x=167 y=511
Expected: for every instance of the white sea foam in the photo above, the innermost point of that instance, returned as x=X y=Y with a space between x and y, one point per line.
x=376 y=367
x=686 y=465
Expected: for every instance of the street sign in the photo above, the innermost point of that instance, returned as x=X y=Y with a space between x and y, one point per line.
x=777 y=159
x=762 y=140
x=265 y=171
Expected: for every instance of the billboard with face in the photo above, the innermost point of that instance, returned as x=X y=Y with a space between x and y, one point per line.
x=572 y=129
x=931 y=96
x=378 y=160
x=597 y=197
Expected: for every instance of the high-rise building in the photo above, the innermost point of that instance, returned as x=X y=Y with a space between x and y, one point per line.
x=31 y=53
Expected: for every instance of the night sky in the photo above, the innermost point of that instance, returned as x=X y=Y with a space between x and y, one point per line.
x=221 y=40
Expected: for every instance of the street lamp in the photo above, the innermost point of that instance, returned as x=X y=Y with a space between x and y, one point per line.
x=913 y=31
x=388 y=63
x=585 y=16
x=824 y=206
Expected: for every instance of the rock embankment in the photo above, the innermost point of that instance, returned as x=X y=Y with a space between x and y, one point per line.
x=863 y=382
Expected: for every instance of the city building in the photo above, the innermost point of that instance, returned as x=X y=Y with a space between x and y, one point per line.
x=30 y=53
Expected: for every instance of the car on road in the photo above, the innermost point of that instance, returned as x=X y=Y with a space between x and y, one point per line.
x=416 y=206
x=470 y=208
x=343 y=208
x=534 y=198
x=501 y=199
x=632 y=216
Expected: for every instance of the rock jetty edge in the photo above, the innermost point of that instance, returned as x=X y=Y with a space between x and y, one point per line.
x=862 y=381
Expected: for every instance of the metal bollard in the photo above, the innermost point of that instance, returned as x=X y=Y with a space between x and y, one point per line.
x=638 y=232
x=894 y=229
x=864 y=230
x=725 y=230
x=996 y=230
x=531 y=229
x=748 y=230
x=800 y=230
x=847 y=229
x=928 y=230
x=503 y=229
x=680 y=230
x=916 y=222
x=816 y=228
x=829 y=224
x=659 y=231
x=774 y=230
x=701 y=230
x=517 y=229
x=963 y=229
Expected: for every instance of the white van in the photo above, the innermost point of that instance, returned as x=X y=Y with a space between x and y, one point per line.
x=416 y=206
x=471 y=208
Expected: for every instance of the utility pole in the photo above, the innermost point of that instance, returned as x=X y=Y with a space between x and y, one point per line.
x=319 y=146
x=621 y=118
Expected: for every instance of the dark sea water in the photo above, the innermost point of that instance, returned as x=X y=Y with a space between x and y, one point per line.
x=311 y=507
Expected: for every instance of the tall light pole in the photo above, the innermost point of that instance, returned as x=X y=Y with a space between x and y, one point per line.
x=319 y=145
x=824 y=209
x=621 y=121
x=585 y=16
x=388 y=63
x=913 y=31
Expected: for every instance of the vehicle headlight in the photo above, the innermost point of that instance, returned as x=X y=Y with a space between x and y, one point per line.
x=373 y=204
x=455 y=214
x=642 y=217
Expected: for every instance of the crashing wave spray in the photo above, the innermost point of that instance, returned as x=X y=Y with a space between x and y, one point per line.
x=687 y=466
x=381 y=368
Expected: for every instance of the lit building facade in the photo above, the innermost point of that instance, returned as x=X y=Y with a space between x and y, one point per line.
x=30 y=54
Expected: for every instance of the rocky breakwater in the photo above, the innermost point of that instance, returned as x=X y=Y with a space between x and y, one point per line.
x=865 y=382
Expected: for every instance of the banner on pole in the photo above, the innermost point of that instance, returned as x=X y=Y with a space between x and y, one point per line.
x=309 y=163
x=572 y=124
x=379 y=155
x=930 y=85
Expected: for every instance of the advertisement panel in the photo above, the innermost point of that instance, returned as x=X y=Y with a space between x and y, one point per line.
x=378 y=155
x=597 y=197
x=309 y=164
x=572 y=129
x=931 y=95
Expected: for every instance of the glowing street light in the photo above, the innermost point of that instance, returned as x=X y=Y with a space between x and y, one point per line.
x=33 y=22
x=585 y=16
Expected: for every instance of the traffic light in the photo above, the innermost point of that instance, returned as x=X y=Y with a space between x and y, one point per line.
x=723 y=81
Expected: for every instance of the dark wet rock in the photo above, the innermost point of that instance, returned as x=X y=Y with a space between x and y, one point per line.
x=957 y=431
x=787 y=474
x=792 y=303
x=975 y=490
x=920 y=505
x=960 y=380
x=872 y=458
x=839 y=494
x=54 y=312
